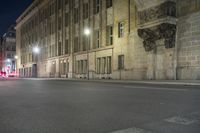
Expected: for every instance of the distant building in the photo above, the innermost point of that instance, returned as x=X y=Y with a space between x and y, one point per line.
x=9 y=50
x=1 y=59
x=124 y=39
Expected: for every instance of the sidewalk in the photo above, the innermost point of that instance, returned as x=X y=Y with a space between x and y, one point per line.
x=163 y=82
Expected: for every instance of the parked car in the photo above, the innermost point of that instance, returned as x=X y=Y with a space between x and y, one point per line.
x=2 y=74
x=12 y=74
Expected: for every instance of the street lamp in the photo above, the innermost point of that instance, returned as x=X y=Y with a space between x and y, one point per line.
x=87 y=32
x=8 y=60
x=36 y=50
x=16 y=57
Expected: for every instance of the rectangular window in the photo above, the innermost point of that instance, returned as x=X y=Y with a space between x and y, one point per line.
x=64 y=67
x=76 y=15
x=85 y=43
x=97 y=39
x=79 y=67
x=54 y=50
x=59 y=4
x=121 y=29
x=110 y=35
x=76 y=44
x=50 y=51
x=66 y=2
x=121 y=62
x=84 y=66
x=67 y=66
x=59 y=23
x=109 y=3
x=76 y=67
x=98 y=65
x=61 y=67
x=109 y=65
x=96 y=6
x=66 y=46
x=103 y=71
x=85 y=10
x=66 y=19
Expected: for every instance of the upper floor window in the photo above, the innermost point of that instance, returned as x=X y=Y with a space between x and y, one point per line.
x=66 y=19
x=66 y=2
x=109 y=3
x=85 y=10
x=96 y=6
x=66 y=46
x=97 y=39
x=59 y=23
x=121 y=29
x=109 y=35
x=76 y=45
x=76 y=15
x=59 y=4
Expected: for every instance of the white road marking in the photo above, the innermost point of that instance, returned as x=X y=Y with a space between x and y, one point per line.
x=180 y=120
x=193 y=118
x=132 y=130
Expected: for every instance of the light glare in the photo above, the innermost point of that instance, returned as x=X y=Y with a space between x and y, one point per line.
x=36 y=50
x=16 y=57
x=87 y=31
x=8 y=60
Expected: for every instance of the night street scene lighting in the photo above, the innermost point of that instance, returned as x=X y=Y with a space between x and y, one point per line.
x=100 y=66
x=87 y=31
x=16 y=57
x=36 y=50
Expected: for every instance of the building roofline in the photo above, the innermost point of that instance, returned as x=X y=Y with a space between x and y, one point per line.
x=29 y=9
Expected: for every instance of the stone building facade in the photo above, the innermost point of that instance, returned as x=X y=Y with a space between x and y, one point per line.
x=127 y=39
x=9 y=50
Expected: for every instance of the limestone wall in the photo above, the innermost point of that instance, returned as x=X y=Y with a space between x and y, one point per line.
x=188 y=46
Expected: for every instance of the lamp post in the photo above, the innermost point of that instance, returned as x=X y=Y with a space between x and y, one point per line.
x=87 y=32
x=36 y=51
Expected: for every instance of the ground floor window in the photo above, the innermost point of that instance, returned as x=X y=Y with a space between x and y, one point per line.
x=104 y=65
x=53 y=67
x=64 y=67
x=81 y=67
x=121 y=62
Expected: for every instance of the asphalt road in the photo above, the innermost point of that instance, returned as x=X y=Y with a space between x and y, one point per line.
x=34 y=106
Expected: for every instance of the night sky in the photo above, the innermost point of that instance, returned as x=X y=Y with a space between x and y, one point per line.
x=10 y=10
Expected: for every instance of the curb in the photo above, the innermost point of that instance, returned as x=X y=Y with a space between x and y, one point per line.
x=178 y=82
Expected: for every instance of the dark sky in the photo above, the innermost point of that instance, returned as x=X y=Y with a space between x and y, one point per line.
x=10 y=10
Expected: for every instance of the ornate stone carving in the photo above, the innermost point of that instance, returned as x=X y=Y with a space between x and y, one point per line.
x=169 y=34
x=166 y=9
x=151 y=35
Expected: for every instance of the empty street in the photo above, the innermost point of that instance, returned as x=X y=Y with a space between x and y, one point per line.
x=42 y=106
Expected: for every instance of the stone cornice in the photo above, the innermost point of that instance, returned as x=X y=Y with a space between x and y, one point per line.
x=28 y=10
